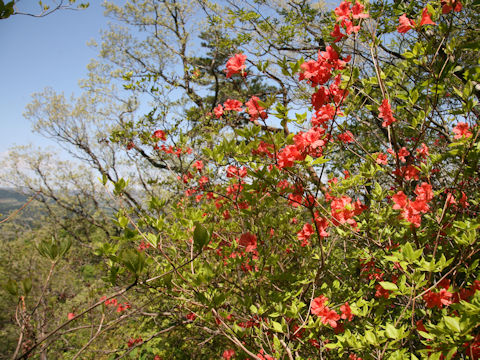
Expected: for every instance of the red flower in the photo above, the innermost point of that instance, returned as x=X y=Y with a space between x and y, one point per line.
x=233 y=105
x=70 y=316
x=357 y=11
x=463 y=201
x=337 y=34
x=305 y=234
x=324 y=114
x=322 y=224
x=346 y=137
x=412 y=210
x=288 y=155
x=423 y=151
x=315 y=72
x=318 y=305
x=249 y=241
x=348 y=25
x=320 y=98
x=191 y=316
x=424 y=192
x=132 y=342
x=426 y=19
x=381 y=292
x=203 y=180
x=242 y=172
x=343 y=11
x=228 y=354
x=440 y=299
x=255 y=110
x=159 y=134
x=111 y=302
x=326 y=315
x=407 y=172
x=460 y=130
x=420 y=326
x=385 y=113
x=330 y=317
x=198 y=165
x=448 y=5
x=381 y=159
x=122 y=307
x=296 y=332
x=346 y=312
x=218 y=111
x=143 y=246
x=354 y=357
x=403 y=153
x=232 y=171
x=314 y=343
x=343 y=211
x=263 y=356
x=405 y=24
x=236 y=64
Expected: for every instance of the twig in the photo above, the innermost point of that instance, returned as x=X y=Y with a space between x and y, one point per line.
x=233 y=339
x=91 y=339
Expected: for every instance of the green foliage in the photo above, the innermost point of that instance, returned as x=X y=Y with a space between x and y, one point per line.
x=6 y=9
x=54 y=249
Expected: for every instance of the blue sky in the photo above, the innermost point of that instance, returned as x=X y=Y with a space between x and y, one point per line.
x=42 y=52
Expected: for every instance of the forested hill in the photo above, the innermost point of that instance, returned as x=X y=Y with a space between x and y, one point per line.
x=10 y=200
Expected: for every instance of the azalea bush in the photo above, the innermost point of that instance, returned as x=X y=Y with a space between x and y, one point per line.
x=347 y=229
x=331 y=213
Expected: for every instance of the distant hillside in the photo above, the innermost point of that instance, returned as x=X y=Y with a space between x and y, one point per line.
x=10 y=200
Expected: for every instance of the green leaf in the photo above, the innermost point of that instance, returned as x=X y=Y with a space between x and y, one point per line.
x=392 y=332
x=11 y=286
x=452 y=323
x=152 y=239
x=200 y=237
x=451 y=353
x=277 y=344
x=388 y=286
x=54 y=249
x=27 y=285
x=133 y=260
x=6 y=10
x=370 y=337
x=277 y=326
x=123 y=222
x=427 y=335
x=407 y=251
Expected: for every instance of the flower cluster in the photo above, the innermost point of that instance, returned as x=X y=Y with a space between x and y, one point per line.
x=253 y=108
x=461 y=130
x=113 y=302
x=326 y=315
x=131 y=342
x=346 y=16
x=385 y=113
x=406 y=24
x=236 y=64
x=412 y=210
